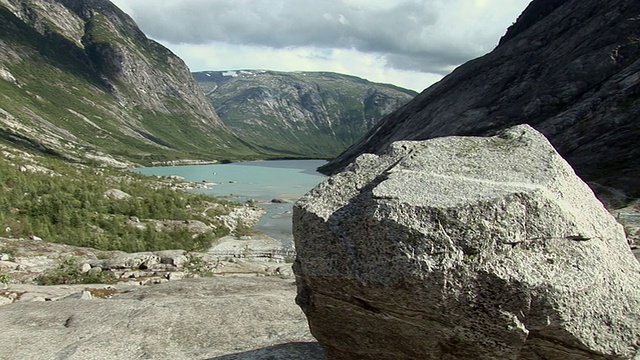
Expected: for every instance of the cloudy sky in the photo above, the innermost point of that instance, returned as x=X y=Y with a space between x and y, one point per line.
x=409 y=43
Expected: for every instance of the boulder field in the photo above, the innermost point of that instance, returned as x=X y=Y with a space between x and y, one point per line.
x=465 y=248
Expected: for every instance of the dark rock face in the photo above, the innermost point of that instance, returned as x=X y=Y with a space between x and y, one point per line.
x=465 y=248
x=568 y=68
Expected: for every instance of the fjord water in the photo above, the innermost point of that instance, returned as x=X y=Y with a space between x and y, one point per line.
x=261 y=181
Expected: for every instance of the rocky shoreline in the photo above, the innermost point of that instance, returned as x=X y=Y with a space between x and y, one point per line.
x=24 y=262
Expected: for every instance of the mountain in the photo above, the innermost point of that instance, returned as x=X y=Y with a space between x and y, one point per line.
x=78 y=79
x=569 y=68
x=308 y=114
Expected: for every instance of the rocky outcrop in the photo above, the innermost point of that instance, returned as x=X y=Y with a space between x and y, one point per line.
x=465 y=248
x=568 y=68
x=221 y=304
x=310 y=114
x=116 y=194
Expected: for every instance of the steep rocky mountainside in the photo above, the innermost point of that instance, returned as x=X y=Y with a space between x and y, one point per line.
x=569 y=68
x=311 y=114
x=79 y=79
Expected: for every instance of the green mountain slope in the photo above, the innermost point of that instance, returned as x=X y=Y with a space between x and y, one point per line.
x=80 y=80
x=299 y=114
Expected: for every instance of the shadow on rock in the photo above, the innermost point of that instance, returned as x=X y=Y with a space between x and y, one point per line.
x=290 y=351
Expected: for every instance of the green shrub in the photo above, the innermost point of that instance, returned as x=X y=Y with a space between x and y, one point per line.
x=243 y=230
x=4 y=278
x=68 y=272
x=71 y=209
x=197 y=266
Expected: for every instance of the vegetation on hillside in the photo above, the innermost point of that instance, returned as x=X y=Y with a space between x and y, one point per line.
x=299 y=114
x=65 y=203
x=73 y=100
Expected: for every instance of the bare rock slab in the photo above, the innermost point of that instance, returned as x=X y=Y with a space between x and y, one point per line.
x=204 y=318
x=465 y=248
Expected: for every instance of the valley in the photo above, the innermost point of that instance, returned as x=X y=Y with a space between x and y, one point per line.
x=85 y=96
x=122 y=236
x=299 y=114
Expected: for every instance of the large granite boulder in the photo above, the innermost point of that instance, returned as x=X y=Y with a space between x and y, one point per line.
x=465 y=248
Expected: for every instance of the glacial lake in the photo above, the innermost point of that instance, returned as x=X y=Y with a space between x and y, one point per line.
x=261 y=181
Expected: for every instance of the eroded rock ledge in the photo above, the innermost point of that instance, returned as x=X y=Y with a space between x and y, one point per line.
x=465 y=248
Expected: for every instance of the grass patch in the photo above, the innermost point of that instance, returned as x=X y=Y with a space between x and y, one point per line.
x=243 y=229
x=196 y=266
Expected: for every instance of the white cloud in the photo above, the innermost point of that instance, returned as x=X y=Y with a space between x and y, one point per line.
x=410 y=43
x=220 y=56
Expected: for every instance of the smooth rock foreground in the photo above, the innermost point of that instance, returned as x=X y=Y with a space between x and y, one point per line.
x=217 y=318
x=465 y=248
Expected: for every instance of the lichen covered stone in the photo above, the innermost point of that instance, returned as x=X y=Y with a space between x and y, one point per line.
x=465 y=248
